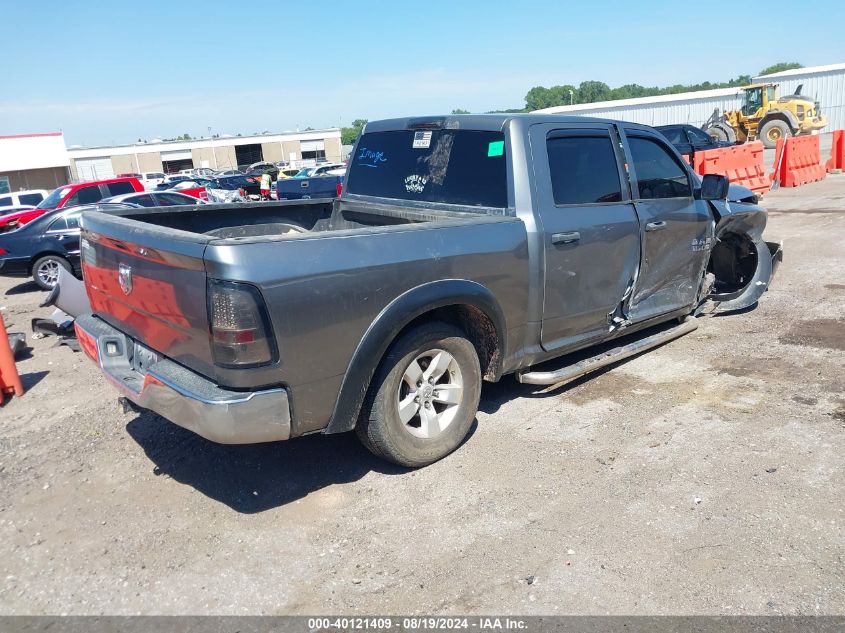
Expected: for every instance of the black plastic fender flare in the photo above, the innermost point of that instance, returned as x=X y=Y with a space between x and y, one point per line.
x=389 y=323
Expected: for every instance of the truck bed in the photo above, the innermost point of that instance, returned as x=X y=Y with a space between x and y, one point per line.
x=325 y=269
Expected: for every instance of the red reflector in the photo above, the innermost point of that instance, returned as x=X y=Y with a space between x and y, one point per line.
x=234 y=336
x=88 y=343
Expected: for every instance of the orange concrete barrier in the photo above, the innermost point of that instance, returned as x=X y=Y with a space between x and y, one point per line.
x=798 y=161
x=10 y=380
x=837 y=152
x=742 y=164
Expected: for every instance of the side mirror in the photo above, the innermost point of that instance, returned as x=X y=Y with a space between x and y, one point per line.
x=714 y=187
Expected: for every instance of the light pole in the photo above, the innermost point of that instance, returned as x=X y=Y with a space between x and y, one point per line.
x=571 y=97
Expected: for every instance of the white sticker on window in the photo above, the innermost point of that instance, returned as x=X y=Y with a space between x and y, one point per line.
x=415 y=184
x=422 y=139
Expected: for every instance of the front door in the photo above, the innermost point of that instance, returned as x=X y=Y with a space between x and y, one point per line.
x=677 y=229
x=590 y=231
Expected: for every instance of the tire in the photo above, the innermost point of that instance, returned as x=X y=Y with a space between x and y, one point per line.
x=720 y=132
x=45 y=270
x=434 y=424
x=771 y=131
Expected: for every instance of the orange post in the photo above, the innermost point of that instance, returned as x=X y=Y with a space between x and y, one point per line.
x=10 y=380
x=837 y=152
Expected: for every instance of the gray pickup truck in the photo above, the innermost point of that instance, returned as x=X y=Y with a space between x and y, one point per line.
x=463 y=248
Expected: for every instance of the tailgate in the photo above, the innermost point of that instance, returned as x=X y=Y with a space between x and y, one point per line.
x=149 y=282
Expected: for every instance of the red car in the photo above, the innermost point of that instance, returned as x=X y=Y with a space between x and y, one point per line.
x=194 y=187
x=71 y=196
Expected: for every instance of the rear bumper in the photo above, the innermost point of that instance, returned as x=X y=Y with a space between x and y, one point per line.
x=182 y=396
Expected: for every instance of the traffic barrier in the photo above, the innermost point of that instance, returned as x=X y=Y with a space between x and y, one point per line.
x=798 y=161
x=837 y=152
x=742 y=164
x=10 y=380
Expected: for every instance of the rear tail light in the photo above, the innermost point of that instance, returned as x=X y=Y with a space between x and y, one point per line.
x=240 y=329
x=3 y=251
x=339 y=189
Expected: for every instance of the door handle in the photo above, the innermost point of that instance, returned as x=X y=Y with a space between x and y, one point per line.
x=565 y=238
x=655 y=226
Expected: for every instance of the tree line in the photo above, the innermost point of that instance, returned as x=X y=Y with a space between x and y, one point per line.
x=540 y=97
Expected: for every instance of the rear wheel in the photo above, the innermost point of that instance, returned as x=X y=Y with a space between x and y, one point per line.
x=423 y=398
x=773 y=130
x=45 y=270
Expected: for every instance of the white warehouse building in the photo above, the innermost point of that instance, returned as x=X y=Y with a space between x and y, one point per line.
x=685 y=107
x=825 y=83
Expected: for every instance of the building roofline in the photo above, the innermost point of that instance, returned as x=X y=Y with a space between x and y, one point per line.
x=803 y=71
x=210 y=140
x=34 y=135
x=621 y=103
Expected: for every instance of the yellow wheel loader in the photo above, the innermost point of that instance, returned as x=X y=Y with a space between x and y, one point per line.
x=766 y=116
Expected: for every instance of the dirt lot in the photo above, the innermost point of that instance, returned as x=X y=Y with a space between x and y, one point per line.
x=703 y=477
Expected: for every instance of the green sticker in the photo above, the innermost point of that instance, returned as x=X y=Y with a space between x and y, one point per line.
x=496 y=148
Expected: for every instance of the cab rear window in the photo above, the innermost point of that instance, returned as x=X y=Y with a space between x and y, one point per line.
x=463 y=167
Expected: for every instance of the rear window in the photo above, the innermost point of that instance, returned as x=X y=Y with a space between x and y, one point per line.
x=465 y=167
x=117 y=188
x=31 y=198
x=5 y=201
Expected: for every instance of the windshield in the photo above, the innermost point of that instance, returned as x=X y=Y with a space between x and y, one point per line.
x=53 y=199
x=465 y=167
x=304 y=172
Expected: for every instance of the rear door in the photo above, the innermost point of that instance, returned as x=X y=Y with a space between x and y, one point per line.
x=591 y=240
x=64 y=231
x=677 y=229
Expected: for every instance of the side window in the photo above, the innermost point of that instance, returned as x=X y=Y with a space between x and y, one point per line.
x=59 y=224
x=145 y=200
x=697 y=136
x=674 y=135
x=72 y=220
x=31 y=198
x=5 y=201
x=583 y=169
x=86 y=195
x=169 y=199
x=117 y=188
x=658 y=174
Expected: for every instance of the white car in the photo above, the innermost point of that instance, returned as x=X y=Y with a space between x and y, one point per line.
x=152 y=179
x=27 y=198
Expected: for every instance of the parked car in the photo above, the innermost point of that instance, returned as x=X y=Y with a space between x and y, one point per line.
x=45 y=244
x=229 y=172
x=194 y=187
x=152 y=179
x=256 y=170
x=456 y=253
x=70 y=196
x=249 y=186
x=317 y=170
x=18 y=199
x=322 y=186
x=155 y=199
x=689 y=139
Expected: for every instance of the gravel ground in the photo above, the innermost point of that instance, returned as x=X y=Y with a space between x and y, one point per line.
x=704 y=477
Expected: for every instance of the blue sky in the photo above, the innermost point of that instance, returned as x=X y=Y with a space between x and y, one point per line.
x=104 y=74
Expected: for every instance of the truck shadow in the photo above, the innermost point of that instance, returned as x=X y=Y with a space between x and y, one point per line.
x=253 y=478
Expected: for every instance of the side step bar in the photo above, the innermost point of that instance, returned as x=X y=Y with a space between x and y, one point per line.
x=570 y=372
